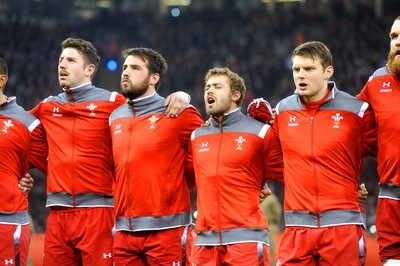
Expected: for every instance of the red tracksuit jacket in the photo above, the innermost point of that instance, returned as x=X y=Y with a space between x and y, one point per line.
x=231 y=161
x=149 y=150
x=382 y=92
x=323 y=155
x=18 y=147
x=80 y=158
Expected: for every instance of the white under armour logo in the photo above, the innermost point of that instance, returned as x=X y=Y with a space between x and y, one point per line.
x=107 y=255
x=56 y=109
x=386 y=84
x=10 y=261
x=176 y=263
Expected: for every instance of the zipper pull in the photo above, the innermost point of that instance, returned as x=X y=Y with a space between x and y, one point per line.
x=312 y=120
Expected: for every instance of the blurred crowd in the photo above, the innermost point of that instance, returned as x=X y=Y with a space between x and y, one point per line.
x=254 y=43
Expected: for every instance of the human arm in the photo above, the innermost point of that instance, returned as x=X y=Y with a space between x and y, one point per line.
x=369 y=133
x=38 y=151
x=37 y=157
x=364 y=95
x=176 y=103
x=189 y=169
x=369 y=127
x=273 y=154
x=191 y=120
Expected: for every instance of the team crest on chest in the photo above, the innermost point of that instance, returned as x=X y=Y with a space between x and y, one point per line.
x=336 y=120
x=7 y=125
x=239 y=143
x=92 y=108
x=153 y=120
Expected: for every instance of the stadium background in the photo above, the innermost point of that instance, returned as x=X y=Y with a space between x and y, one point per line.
x=253 y=37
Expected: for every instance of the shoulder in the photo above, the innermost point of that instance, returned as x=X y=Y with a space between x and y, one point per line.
x=383 y=71
x=15 y=111
x=289 y=103
x=121 y=111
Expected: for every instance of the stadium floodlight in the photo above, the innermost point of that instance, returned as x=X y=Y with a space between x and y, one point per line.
x=176 y=2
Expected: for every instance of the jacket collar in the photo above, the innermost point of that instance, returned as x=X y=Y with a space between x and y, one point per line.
x=79 y=88
x=144 y=101
x=228 y=119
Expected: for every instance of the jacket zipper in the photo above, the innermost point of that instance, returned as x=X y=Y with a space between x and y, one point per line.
x=315 y=173
x=73 y=151
x=217 y=186
x=127 y=167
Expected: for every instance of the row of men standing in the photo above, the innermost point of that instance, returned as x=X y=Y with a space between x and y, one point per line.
x=93 y=134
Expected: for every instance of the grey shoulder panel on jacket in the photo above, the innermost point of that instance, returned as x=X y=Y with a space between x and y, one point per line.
x=14 y=111
x=99 y=94
x=244 y=125
x=341 y=101
x=122 y=111
x=346 y=102
x=380 y=72
x=88 y=95
x=289 y=103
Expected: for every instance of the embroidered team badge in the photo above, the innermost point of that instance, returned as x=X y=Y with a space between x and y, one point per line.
x=92 y=108
x=153 y=120
x=7 y=125
x=336 y=120
x=239 y=143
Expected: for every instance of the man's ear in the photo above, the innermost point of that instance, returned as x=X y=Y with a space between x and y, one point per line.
x=236 y=96
x=90 y=69
x=3 y=81
x=154 y=78
x=329 y=72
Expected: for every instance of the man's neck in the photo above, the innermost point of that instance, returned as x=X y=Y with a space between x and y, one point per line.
x=2 y=98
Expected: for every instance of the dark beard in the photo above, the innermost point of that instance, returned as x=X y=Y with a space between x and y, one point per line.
x=136 y=92
x=394 y=64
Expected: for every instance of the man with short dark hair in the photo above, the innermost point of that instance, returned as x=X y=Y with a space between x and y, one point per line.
x=152 y=201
